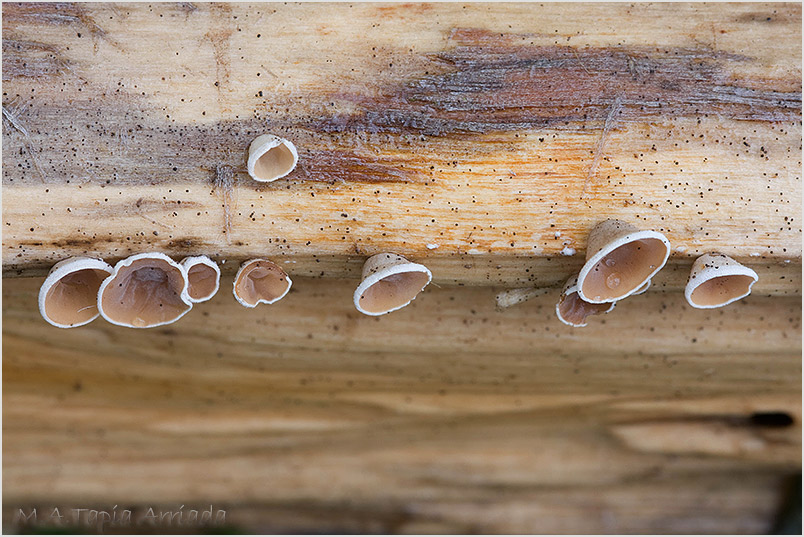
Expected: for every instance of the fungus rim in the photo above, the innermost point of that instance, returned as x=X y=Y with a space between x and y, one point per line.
x=184 y=295
x=189 y=262
x=700 y=274
x=261 y=145
x=64 y=268
x=259 y=301
x=379 y=270
x=643 y=289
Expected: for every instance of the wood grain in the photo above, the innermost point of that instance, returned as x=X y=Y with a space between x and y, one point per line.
x=505 y=131
x=447 y=415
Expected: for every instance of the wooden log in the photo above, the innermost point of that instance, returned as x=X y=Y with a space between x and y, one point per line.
x=482 y=137
x=482 y=140
x=485 y=421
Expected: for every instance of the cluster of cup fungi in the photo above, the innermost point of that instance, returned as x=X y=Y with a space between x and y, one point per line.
x=620 y=262
x=151 y=289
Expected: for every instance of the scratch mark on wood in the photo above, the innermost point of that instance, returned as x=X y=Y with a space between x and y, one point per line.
x=220 y=49
x=13 y=119
x=580 y=61
x=601 y=142
x=56 y=13
x=224 y=183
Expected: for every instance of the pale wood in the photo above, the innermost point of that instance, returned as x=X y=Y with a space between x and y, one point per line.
x=416 y=125
x=302 y=417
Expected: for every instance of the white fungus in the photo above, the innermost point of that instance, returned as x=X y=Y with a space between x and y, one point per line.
x=390 y=282
x=203 y=277
x=717 y=280
x=260 y=281
x=270 y=158
x=69 y=295
x=619 y=260
x=145 y=291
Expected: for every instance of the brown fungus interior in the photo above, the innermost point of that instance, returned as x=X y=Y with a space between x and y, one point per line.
x=624 y=269
x=575 y=310
x=273 y=163
x=202 y=280
x=393 y=291
x=261 y=280
x=720 y=290
x=74 y=298
x=145 y=293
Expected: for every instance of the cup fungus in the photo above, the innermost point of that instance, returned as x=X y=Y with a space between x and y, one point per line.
x=144 y=291
x=260 y=281
x=270 y=158
x=619 y=260
x=717 y=280
x=69 y=295
x=573 y=310
x=203 y=277
x=390 y=282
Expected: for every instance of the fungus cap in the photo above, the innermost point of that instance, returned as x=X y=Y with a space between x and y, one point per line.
x=390 y=282
x=573 y=310
x=270 y=158
x=620 y=258
x=69 y=295
x=203 y=277
x=260 y=281
x=717 y=280
x=145 y=291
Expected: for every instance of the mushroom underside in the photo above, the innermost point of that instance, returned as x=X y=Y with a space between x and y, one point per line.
x=721 y=289
x=145 y=293
x=575 y=310
x=74 y=298
x=260 y=281
x=393 y=291
x=202 y=281
x=274 y=163
x=624 y=269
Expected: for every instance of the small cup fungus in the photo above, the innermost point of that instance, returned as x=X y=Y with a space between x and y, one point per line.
x=390 y=282
x=717 y=280
x=573 y=310
x=144 y=291
x=260 y=281
x=619 y=260
x=69 y=295
x=203 y=277
x=270 y=158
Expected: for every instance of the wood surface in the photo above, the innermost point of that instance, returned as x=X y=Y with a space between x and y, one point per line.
x=303 y=417
x=499 y=131
x=483 y=140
